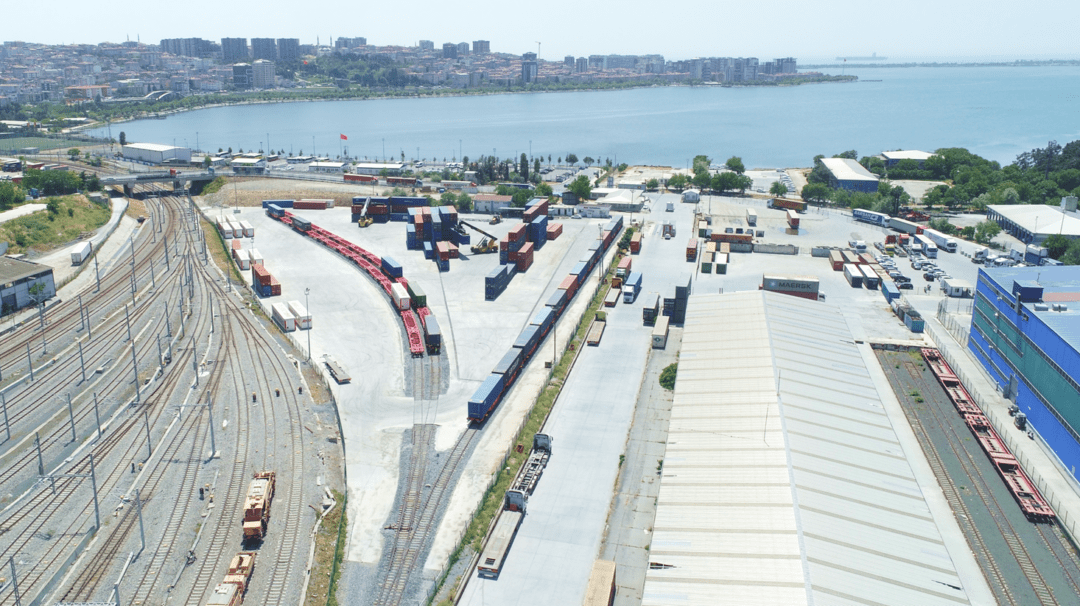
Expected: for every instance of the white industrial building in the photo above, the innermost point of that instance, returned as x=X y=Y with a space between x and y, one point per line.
x=376 y=168
x=1034 y=223
x=891 y=158
x=248 y=166
x=326 y=167
x=17 y=277
x=785 y=480
x=155 y=153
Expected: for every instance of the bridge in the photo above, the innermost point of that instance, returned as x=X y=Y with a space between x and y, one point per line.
x=180 y=180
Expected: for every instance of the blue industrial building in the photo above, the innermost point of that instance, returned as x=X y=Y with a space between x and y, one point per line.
x=1025 y=331
x=848 y=174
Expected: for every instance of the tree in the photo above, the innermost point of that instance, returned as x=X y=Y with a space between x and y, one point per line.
x=207 y=162
x=702 y=179
x=778 y=189
x=897 y=197
x=588 y=160
x=73 y=153
x=464 y=202
x=1010 y=196
x=701 y=163
x=985 y=231
x=668 y=375
x=816 y=192
x=1056 y=245
x=580 y=187
x=735 y=163
x=1072 y=255
x=849 y=154
x=523 y=167
x=652 y=184
x=123 y=138
x=571 y=158
x=10 y=195
x=544 y=190
x=677 y=182
x=968 y=233
x=447 y=199
x=536 y=165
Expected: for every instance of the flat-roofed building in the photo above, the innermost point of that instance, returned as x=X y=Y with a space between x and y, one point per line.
x=326 y=167
x=892 y=158
x=784 y=479
x=376 y=168
x=845 y=173
x=1034 y=223
x=262 y=74
x=17 y=277
x=248 y=166
x=155 y=153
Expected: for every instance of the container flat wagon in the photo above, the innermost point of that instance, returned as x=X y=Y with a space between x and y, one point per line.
x=498 y=545
x=260 y=496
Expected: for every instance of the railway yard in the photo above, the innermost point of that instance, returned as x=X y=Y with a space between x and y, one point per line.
x=178 y=439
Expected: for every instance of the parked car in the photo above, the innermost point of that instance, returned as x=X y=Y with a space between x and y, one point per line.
x=905 y=286
x=929 y=277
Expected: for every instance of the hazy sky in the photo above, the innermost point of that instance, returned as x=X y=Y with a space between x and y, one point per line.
x=678 y=29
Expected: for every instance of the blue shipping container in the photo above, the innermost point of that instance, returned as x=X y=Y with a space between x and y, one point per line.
x=279 y=203
x=528 y=339
x=889 y=290
x=432 y=334
x=485 y=398
x=274 y=210
x=544 y=319
x=557 y=301
x=391 y=267
x=509 y=365
x=579 y=270
x=429 y=251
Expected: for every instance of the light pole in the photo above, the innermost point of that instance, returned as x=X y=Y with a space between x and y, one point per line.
x=307 y=291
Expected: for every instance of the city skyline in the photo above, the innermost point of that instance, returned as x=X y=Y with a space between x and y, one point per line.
x=998 y=32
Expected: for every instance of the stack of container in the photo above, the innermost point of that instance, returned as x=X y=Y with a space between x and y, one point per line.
x=313 y=204
x=512 y=243
x=525 y=257
x=265 y=284
x=496 y=282
x=442 y=255
x=278 y=203
x=554 y=230
x=912 y=319
x=676 y=308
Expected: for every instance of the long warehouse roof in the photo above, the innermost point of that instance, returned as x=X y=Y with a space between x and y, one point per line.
x=783 y=480
x=1040 y=218
x=846 y=169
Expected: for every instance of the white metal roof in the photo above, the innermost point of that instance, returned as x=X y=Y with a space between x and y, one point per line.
x=381 y=165
x=784 y=482
x=846 y=169
x=906 y=154
x=155 y=147
x=1039 y=218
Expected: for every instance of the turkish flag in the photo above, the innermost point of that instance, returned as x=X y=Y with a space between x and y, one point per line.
x=344 y=138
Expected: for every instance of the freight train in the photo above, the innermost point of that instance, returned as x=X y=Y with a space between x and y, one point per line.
x=231 y=590
x=487 y=397
x=1031 y=502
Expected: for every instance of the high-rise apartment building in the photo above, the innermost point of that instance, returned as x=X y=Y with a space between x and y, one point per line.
x=427 y=45
x=346 y=43
x=481 y=47
x=262 y=74
x=264 y=48
x=568 y=61
x=528 y=68
x=288 y=49
x=234 y=49
x=188 y=47
x=449 y=50
x=463 y=49
x=582 y=65
x=242 y=76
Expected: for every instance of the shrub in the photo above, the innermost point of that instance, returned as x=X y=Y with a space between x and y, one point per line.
x=667 y=377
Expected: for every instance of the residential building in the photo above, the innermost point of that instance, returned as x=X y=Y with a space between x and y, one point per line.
x=1025 y=331
x=845 y=173
x=17 y=277
x=427 y=45
x=568 y=61
x=449 y=50
x=189 y=47
x=288 y=49
x=582 y=65
x=262 y=74
x=481 y=47
x=234 y=50
x=528 y=68
x=347 y=43
x=463 y=49
x=264 y=48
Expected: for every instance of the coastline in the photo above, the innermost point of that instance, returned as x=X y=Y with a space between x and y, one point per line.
x=152 y=115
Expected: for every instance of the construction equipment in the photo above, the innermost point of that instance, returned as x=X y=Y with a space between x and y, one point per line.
x=488 y=244
x=257 y=505
x=495 y=220
x=364 y=221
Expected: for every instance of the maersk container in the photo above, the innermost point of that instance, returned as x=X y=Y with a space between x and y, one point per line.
x=544 y=319
x=400 y=296
x=527 y=340
x=509 y=366
x=486 y=397
x=432 y=334
x=391 y=267
x=557 y=301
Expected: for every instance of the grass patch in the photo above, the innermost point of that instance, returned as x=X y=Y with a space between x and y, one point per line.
x=14 y=144
x=213 y=187
x=492 y=501
x=329 y=553
x=219 y=252
x=68 y=218
x=668 y=375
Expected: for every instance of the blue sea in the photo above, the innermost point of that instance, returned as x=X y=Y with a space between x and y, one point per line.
x=996 y=112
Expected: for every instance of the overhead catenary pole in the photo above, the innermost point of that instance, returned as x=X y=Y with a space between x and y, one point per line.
x=142 y=531
x=71 y=416
x=7 y=425
x=97 y=274
x=14 y=582
x=149 y=444
x=29 y=361
x=98 y=417
x=82 y=364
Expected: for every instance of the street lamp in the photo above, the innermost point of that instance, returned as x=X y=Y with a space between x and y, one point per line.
x=307 y=291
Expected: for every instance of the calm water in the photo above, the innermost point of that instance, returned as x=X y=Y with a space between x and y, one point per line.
x=994 y=112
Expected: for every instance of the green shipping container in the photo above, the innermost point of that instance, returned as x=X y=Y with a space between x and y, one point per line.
x=417 y=296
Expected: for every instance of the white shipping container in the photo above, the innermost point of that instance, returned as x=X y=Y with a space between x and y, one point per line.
x=80 y=253
x=243 y=261
x=225 y=228
x=303 y=318
x=256 y=257
x=400 y=296
x=283 y=317
x=660 y=332
x=249 y=229
x=237 y=231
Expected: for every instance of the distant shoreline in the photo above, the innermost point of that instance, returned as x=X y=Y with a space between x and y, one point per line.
x=1025 y=63
x=150 y=114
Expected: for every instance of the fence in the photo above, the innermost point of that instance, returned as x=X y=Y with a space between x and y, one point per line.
x=1001 y=426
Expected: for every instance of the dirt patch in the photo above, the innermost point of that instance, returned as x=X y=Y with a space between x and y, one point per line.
x=136 y=208
x=251 y=193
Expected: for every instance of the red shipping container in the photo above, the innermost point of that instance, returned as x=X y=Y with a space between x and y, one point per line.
x=444 y=251
x=517 y=233
x=568 y=283
x=275 y=286
x=524 y=263
x=866 y=259
x=260 y=275
x=378 y=209
x=531 y=213
x=236 y=244
x=554 y=230
x=453 y=250
x=526 y=250
x=357 y=209
x=504 y=244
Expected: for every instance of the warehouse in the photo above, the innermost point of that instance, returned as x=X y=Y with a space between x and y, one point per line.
x=1025 y=331
x=491 y=203
x=155 y=153
x=1034 y=223
x=376 y=168
x=849 y=174
x=17 y=277
x=326 y=167
x=892 y=158
x=784 y=480
x=248 y=166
